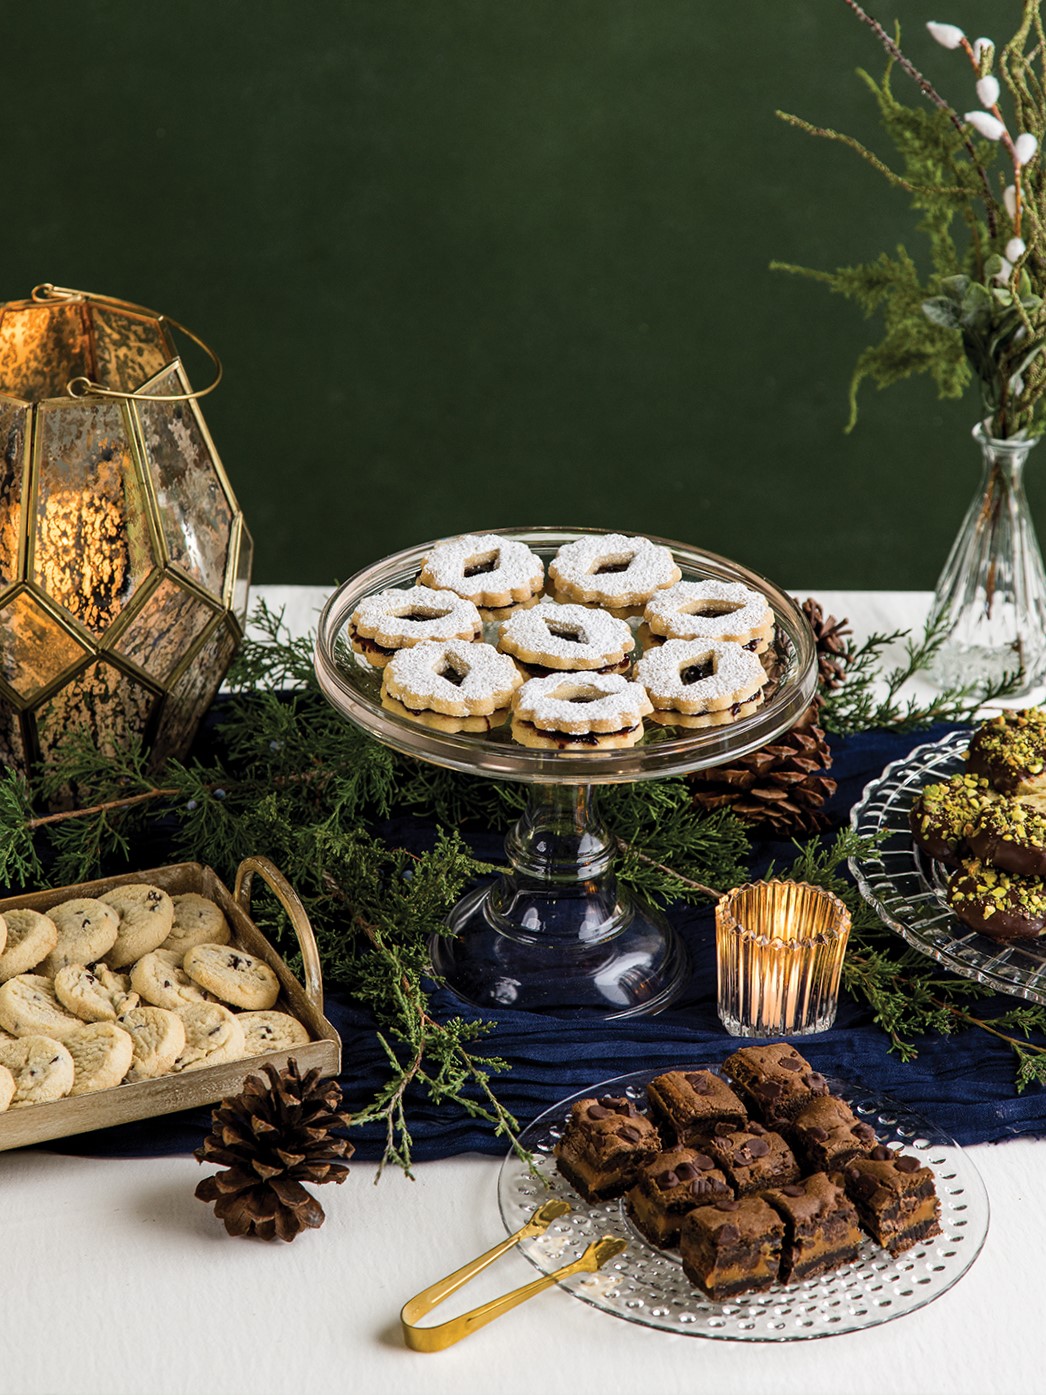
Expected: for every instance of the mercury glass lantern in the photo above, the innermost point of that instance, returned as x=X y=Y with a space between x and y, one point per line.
x=124 y=559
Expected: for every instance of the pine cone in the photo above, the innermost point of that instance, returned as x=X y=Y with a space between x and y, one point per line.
x=833 y=644
x=271 y=1138
x=782 y=786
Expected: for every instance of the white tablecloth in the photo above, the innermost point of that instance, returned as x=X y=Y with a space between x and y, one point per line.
x=115 y=1279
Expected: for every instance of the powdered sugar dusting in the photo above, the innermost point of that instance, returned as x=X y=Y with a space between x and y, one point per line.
x=601 y=637
x=560 y=702
x=737 y=671
x=671 y=612
x=580 y=566
x=480 y=672
x=513 y=567
x=416 y=613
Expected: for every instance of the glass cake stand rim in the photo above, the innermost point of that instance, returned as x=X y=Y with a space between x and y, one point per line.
x=481 y=755
x=892 y=1116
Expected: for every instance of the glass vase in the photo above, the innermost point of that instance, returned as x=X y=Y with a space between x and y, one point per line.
x=990 y=599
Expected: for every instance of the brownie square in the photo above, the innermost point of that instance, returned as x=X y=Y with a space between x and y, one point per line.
x=604 y=1144
x=732 y=1247
x=895 y=1198
x=821 y=1227
x=775 y=1081
x=827 y=1135
x=688 y=1104
x=673 y=1184
x=753 y=1158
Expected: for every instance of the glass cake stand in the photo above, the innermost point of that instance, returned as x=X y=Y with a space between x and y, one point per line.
x=557 y=933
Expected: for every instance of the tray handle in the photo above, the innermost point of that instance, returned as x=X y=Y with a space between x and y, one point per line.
x=291 y=903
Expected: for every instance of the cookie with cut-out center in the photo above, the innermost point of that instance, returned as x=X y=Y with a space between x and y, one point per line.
x=95 y=993
x=700 y=682
x=488 y=570
x=42 y=1069
x=87 y=930
x=579 y=712
x=388 y=621
x=146 y=914
x=158 y=1038
x=270 y=1031
x=197 y=921
x=553 y=638
x=711 y=609
x=436 y=721
x=102 y=1053
x=29 y=1006
x=453 y=679
x=158 y=977
x=31 y=936
x=213 y=1035
x=233 y=975
x=612 y=570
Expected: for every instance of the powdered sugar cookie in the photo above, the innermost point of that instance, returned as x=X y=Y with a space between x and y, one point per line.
x=270 y=1031
x=711 y=609
x=394 y=620
x=7 y=1088
x=612 y=569
x=160 y=979
x=31 y=936
x=554 y=638
x=87 y=930
x=701 y=682
x=146 y=914
x=42 y=1069
x=579 y=712
x=157 y=1037
x=438 y=722
x=102 y=1054
x=213 y=1035
x=30 y=1007
x=233 y=975
x=197 y=921
x=95 y=994
x=454 y=679
x=486 y=569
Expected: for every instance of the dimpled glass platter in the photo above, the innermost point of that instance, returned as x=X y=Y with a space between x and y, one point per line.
x=908 y=889
x=648 y=1286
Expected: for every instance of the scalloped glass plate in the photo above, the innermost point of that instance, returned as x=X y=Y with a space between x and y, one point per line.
x=648 y=1286
x=908 y=889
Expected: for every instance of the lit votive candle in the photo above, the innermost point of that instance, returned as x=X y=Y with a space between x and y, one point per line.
x=779 y=950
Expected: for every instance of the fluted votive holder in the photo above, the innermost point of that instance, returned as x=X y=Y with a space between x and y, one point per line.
x=779 y=951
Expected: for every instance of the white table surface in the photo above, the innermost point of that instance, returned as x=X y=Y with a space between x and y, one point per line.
x=115 y=1279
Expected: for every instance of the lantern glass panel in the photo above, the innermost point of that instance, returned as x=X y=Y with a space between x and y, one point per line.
x=194 y=692
x=166 y=629
x=129 y=349
x=103 y=702
x=41 y=348
x=12 y=474
x=34 y=649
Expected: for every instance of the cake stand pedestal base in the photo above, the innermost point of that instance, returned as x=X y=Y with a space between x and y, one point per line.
x=557 y=934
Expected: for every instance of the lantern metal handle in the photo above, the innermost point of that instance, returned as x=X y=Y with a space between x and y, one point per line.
x=87 y=387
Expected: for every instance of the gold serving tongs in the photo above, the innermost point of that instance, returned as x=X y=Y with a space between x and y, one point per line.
x=445 y=1334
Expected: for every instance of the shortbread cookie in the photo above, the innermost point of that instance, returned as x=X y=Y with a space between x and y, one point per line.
x=612 y=570
x=197 y=921
x=554 y=638
x=711 y=609
x=1011 y=834
x=438 y=722
x=87 y=930
x=31 y=936
x=146 y=915
x=700 y=681
x=3 y=934
x=270 y=1031
x=392 y=620
x=158 y=1039
x=999 y=904
x=158 y=977
x=30 y=1007
x=42 y=1069
x=579 y=712
x=455 y=679
x=943 y=815
x=94 y=994
x=486 y=569
x=233 y=975
x=7 y=1088
x=1010 y=751
x=213 y=1035
x=102 y=1054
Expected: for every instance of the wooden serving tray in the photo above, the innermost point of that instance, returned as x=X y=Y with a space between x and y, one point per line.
x=144 y=1099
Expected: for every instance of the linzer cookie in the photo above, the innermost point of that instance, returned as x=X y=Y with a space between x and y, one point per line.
x=701 y=682
x=1010 y=751
x=491 y=571
x=604 y=1145
x=450 y=684
x=724 y=610
x=579 y=712
x=670 y=1186
x=944 y=814
x=775 y=1080
x=566 y=639
x=612 y=570
x=392 y=620
x=996 y=903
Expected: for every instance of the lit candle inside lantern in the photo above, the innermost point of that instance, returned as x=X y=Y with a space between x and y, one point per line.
x=779 y=951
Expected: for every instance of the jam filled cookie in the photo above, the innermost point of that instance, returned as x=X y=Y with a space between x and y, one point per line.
x=1010 y=751
x=999 y=904
x=726 y=610
x=612 y=570
x=453 y=679
x=393 y=620
x=701 y=682
x=566 y=639
x=579 y=712
x=490 y=571
x=942 y=816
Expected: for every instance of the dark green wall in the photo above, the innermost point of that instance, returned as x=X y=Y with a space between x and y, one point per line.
x=472 y=263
